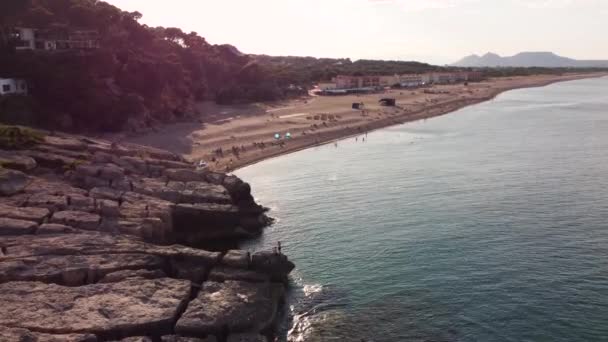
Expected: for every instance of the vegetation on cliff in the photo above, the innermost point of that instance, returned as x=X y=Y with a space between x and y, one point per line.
x=139 y=74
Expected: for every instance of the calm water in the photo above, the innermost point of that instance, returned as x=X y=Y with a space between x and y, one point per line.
x=488 y=224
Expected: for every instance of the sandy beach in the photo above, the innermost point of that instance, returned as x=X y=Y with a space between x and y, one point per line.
x=230 y=137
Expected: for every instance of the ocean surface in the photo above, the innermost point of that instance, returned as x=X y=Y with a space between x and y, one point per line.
x=486 y=224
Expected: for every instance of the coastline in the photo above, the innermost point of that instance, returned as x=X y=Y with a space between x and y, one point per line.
x=252 y=135
x=420 y=115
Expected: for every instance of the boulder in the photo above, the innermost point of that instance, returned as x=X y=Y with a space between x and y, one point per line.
x=236 y=306
x=24 y=213
x=12 y=182
x=10 y=226
x=77 y=219
x=23 y=335
x=129 y=308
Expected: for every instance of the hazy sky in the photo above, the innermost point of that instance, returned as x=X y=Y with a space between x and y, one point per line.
x=435 y=31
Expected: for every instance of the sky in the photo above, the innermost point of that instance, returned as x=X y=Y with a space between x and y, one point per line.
x=432 y=31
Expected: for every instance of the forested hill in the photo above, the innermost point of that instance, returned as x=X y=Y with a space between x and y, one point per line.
x=138 y=76
x=304 y=70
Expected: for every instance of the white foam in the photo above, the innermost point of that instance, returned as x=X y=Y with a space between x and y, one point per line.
x=309 y=290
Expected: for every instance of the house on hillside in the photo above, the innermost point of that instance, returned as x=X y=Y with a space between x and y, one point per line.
x=25 y=38
x=51 y=40
x=13 y=86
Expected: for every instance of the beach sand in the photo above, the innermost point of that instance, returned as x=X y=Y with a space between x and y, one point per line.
x=249 y=129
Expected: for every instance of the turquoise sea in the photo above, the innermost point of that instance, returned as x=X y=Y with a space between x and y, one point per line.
x=486 y=224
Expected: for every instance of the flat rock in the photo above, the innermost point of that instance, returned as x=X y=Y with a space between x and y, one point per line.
x=73 y=270
x=133 y=307
x=12 y=182
x=203 y=192
x=77 y=219
x=51 y=202
x=53 y=187
x=10 y=226
x=246 y=338
x=51 y=160
x=185 y=175
x=237 y=306
x=90 y=243
x=14 y=160
x=106 y=193
x=237 y=258
x=135 y=339
x=65 y=142
x=23 y=335
x=54 y=228
x=174 y=338
x=221 y=274
x=21 y=213
x=117 y=276
x=218 y=215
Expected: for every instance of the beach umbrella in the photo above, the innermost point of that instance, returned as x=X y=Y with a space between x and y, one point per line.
x=277 y=136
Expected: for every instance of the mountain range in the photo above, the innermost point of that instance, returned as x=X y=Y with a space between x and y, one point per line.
x=529 y=59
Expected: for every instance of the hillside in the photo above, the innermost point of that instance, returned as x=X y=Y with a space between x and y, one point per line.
x=528 y=59
x=136 y=76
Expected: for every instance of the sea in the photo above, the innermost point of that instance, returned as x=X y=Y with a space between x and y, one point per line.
x=486 y=224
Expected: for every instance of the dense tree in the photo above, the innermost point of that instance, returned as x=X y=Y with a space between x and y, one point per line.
x=139 y=75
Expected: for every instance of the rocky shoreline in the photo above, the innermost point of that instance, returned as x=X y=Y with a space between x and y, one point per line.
x=107 y=242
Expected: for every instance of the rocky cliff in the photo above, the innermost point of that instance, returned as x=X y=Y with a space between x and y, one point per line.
x=88 y=233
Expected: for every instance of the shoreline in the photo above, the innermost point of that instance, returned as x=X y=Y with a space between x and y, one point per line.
x=411 y=118
x=239 y=136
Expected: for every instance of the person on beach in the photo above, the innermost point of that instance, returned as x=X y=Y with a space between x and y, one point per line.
x=279 y=246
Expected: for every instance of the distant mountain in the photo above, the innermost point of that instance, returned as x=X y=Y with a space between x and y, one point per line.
x=528 y=59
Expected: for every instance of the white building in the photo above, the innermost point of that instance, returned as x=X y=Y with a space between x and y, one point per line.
x=411 y=81
x=13 y=86
x=326 y=86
